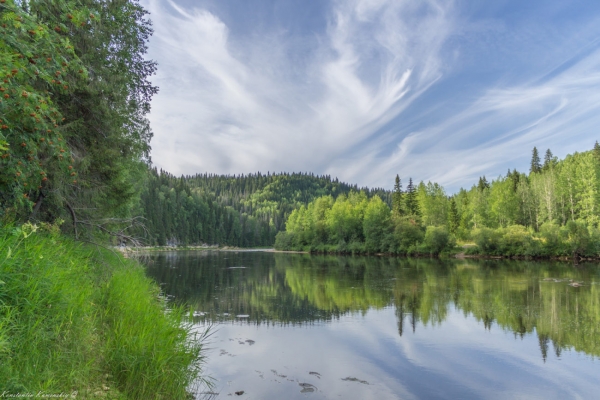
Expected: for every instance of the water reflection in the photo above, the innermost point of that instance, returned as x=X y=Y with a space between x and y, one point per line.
x=558 y=302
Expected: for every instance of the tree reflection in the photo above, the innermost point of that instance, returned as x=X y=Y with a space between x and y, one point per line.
x=516 y=296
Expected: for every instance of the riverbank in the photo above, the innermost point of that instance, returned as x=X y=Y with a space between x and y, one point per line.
x=464 y=252
x=84 y=321
x=153 y=249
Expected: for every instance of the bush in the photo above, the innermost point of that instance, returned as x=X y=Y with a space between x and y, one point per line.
x=356 y=247
x=552 y=242
x=407 y=235
x=579 y=238
x=436 y=240
x=284 y=241
x=487 y=240
x=516 y=240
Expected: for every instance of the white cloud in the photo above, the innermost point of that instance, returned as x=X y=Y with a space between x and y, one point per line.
x=361 y=99
x=498 y=130
x=231 y=104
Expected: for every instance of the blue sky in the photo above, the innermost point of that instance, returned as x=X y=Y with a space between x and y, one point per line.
x=363 y=90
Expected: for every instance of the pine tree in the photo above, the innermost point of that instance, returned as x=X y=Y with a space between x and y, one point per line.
x=397 y=206
x=536 y=165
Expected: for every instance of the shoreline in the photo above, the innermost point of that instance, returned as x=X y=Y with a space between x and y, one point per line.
x=458 y=256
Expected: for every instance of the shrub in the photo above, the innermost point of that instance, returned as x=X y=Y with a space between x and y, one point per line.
x=436 y=239
x=487 y=240
x=579 y=238
x=516 y=240
x=407 y=234
x=284 y=241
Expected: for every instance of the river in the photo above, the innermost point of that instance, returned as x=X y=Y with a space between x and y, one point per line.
x=299 y=326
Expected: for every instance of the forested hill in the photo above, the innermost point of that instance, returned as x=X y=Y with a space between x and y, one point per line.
x=236 y=210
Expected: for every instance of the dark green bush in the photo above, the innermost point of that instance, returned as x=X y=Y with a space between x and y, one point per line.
x=488 y=240
x=436 y=240
x=284 y=241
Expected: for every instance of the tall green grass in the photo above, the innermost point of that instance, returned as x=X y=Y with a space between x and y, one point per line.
x=79 y=318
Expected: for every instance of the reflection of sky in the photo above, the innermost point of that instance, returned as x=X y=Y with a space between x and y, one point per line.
x=459 y=359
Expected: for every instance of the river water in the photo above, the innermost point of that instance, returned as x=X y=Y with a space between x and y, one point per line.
x=297 y=326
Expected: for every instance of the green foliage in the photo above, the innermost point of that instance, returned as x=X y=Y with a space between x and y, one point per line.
x=453 y=217
x=410 y=199
x=71 y=314
x=408 y=233
x=516 y=240
x=376 y=225
x=432 y=204
x=579 y=238
x=397 y=200
x=554 y=212
x=38 y=65
x=487 y=240
x=355 y=224
x=549 y=161
x=75 y=91
x=245 y=210
x=284 y=240
x=436 y=240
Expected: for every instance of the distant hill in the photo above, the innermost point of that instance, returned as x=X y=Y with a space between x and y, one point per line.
x=236 y=210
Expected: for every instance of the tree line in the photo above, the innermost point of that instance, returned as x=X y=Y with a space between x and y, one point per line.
x=553 y=210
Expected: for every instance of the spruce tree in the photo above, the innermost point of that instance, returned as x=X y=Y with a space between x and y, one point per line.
x=397 y=206
x=483 y=184
x=597 y=151
x=549 y=160
x=412 y=206
x=536 y=165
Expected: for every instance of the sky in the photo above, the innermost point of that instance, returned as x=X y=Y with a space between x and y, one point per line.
x=437 y=90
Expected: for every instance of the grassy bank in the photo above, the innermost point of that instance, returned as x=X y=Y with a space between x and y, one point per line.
x=79 y=318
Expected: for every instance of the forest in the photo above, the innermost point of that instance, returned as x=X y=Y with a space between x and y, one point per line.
x=243 y=210
x=552 y=211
